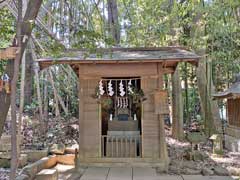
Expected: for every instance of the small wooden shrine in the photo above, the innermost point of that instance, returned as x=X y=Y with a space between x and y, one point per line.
x=122 y=103
x=232 y=131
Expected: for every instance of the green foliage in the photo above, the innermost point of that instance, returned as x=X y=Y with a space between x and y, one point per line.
x=7 y=28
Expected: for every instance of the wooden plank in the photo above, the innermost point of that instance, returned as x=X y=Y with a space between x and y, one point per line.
x=95 y=173
x=161 y=102
x=8 y=53
x=118 y=70
x=120 y=173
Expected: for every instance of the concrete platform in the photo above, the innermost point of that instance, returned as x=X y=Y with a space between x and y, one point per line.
x=119 y=173
x=97 y=173
x=138 y=173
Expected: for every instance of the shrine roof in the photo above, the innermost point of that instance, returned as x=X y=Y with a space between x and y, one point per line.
x=123 y=55
x=232 y=92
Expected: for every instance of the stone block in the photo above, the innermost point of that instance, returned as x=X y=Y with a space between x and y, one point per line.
x=68 y=159
x=47 y=174
x=44 y=163
x=57 y=149
x=35 y=155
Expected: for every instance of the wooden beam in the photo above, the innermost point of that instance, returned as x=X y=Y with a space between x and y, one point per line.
x=8 y=53
x=118 y=70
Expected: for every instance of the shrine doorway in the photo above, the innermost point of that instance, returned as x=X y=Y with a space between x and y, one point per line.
x=121 y=114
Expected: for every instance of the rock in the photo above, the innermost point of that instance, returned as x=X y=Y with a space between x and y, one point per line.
x=207 y=172
x=198 y=156
x=220 y=171
x=234 y=171
x=71 y=149
x=175 y=163
x=190 y=165
x=4 y=163
x=57 y=149
x=174 y=169
x=189 y=171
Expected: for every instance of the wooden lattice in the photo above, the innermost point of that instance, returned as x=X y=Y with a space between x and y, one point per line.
x=161 y=102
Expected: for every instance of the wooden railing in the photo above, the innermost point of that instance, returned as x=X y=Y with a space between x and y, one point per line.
x=121 y=146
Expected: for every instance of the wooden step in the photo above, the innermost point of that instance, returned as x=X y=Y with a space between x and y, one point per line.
x=47 y=174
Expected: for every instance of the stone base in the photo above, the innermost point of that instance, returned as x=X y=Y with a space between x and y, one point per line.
x=47 y=174
x=162 y=165
x=232 y=143
x=68 y=159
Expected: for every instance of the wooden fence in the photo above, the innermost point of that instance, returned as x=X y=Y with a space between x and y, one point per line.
x=121 y=146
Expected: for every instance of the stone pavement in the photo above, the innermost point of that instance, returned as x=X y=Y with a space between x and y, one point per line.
x=138 y=173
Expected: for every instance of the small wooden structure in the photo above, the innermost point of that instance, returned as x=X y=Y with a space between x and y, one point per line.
x=122 y=103
x=8 y=53
x=232 y=130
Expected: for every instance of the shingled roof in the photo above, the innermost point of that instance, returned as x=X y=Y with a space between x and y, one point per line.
x=232 y=92
x=169 y=55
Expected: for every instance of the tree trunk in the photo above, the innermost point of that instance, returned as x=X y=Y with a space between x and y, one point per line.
x=45 y=99
x=21 y=106
x=57 y=112
x=177 y=106
x=209 y=107
x=28 y=88
x=22 y=97
x=39 y=97
x=14 y=150
x=114 y=26
x=59 y=98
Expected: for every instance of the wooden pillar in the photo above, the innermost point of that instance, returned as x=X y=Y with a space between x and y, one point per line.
x=177 y=106
x=163 y=154
x=81 y=118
